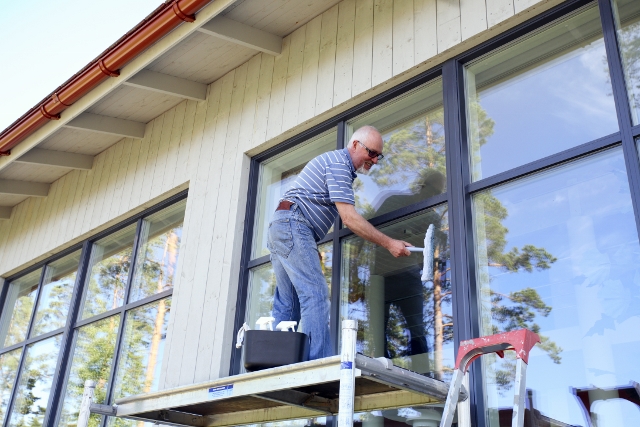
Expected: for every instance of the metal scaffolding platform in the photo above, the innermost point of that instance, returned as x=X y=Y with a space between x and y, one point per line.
x=302 y=390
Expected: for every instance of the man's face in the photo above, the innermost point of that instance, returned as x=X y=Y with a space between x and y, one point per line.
x=360 y=157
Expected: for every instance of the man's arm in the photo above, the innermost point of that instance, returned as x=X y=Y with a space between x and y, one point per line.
x=364 y=229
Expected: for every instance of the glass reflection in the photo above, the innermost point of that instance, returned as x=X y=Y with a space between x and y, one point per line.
x=262 y=286
x=34 y=385
x=8 y=372
x=18 y=306
x=547 y=92
x=55 y=297
x=276 y=175
x=142 y=348
x=399 y=316
x=627 y=13
x=558 y=253
x=92 y=359
x=414 y=166
x=108 y=272
x=158 y=252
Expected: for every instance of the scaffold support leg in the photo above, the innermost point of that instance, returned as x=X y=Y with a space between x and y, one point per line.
x=347 y=373
x=85 y=406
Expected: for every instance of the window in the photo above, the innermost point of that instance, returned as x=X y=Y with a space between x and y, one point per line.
x=518 y=156
x=117 y=337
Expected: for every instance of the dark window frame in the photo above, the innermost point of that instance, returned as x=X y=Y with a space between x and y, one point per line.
x=72 y=325
x=460 y=187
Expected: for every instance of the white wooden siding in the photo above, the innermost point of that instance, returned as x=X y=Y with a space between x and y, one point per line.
x=352 y=51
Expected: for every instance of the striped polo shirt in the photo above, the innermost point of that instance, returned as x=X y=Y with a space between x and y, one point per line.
x=326 y=179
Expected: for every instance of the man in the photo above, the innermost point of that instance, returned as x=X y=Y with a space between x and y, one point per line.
x=305 y=214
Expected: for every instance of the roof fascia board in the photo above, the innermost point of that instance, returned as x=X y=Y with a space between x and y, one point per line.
x=106 y=87
x=169 y=85
x=62 y=159
x=242 y=34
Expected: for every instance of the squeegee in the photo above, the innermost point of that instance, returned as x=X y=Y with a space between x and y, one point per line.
x=427 y=254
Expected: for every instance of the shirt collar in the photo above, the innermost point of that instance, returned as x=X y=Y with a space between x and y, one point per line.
x=345 y=153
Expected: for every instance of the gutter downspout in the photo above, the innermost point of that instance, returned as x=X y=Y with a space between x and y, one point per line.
x=167 y=17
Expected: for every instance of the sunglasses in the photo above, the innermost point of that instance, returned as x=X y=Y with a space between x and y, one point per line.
x=372 y=153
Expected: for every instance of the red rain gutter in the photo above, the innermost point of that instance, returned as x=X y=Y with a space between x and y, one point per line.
x=161 y=21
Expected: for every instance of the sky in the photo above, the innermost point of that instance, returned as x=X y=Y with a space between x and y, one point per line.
x=44 y=42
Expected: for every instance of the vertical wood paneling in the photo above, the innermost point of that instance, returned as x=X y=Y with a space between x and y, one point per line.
x=55 y=213
x=68 y=207
x=498 y=11
x=309 y=78
x=110 y=183
x=362 y=47
x=473 y=17
x=403 y=46
x=174 y=147
x=448 y=16
x=96 y=218
x=327 y=58
x=142 y=165
x=34 y=231
x=182 y=173
x=18 y=217
x=294 y=76
x=425 y=25
x=121 y=177
x=265 y=80
x=154 y=146
x=72 y=227
x=163 y=149
x=344 y=51
x=522 y=5
x=200 y=229
x=250 y=103
x=382 y=41
x=216 y=296
x=27 y=217
x=278 y=85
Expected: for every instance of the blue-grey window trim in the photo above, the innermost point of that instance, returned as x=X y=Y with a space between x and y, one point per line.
x=68 y=331
x=459 y=185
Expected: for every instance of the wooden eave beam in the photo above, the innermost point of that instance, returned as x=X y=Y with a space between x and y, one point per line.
x=5 y=212
x=108 y=125
x=170 y=85
x=242 y=34
x=39 y=156
x=24 y=188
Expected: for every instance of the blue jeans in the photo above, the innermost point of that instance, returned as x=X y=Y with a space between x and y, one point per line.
x=301 y=290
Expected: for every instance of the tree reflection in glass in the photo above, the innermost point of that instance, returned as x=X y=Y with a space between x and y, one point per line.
x=558 y=253
x=18 y=306
x=92 y=359
x=8 y=373
x=142 y=348
x=109 y=272
x=158 y=252
x=55 y=295
x=400 y=317
x=414 y=164
x=34 y=384
x=627 y=13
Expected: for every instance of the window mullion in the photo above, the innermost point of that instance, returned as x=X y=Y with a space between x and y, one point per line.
x=623 y=108
x=54 y=404
x=12 y=398
x=35 y=302
x=459 y=212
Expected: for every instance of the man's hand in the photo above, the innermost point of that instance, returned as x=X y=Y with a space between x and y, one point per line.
x=364 y=229
x=398 y=248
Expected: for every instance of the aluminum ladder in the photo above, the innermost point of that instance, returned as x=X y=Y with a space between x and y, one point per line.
x=521 y=341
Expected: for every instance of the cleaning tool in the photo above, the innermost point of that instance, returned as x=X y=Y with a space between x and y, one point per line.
x=427 y=254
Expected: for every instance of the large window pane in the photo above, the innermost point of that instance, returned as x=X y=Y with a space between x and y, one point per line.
x=628 y=23
x=18 y=306
x=34 y=385
x=142 y=348
x=92 y=359
x=159 y=246
x=400 y=317
x=8 y=372
x=262 y=286
x=558 y=253
x=276 y=175
x=55 y=296
x=108 y=272
x=413 y=168
x=543 y=94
